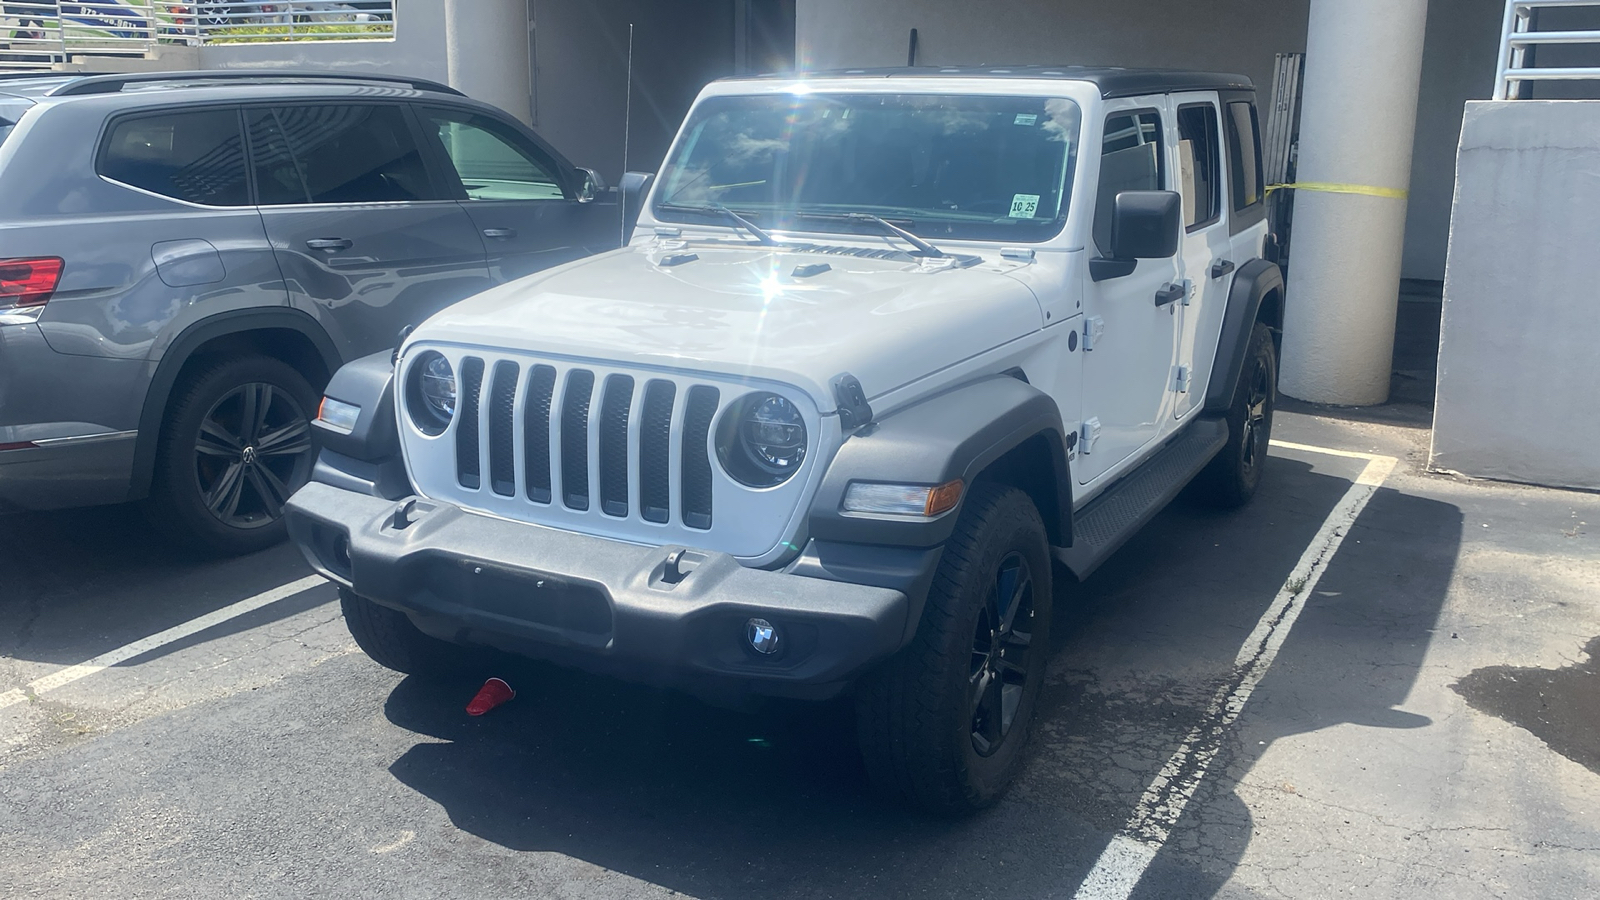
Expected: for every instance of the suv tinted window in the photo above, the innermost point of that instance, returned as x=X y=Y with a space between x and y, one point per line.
x=1131 y=159
x=10 y=112
x=492 y=162
x=336 y=154
x=1244 y=154
x=1199 y=151
x=194 y=156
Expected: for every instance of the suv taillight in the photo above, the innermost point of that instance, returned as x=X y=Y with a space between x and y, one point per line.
x=28 y=282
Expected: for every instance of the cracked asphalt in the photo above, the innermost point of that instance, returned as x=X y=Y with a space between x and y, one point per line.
x=1428 y=728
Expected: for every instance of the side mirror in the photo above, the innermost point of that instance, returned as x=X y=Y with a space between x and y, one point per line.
x=634 y=187
x=593 y=186
x=1144 y=225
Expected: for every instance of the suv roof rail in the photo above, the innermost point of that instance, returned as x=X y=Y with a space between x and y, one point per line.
x=111 y=84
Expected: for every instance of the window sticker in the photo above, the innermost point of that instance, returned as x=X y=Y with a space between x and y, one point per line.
x=1026 y=119
x=1023 y=206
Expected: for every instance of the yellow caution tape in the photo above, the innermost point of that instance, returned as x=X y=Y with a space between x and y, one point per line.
x=1331 y=188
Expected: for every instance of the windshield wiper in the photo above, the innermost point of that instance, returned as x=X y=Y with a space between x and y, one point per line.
x=717 y=209
x=925 y=248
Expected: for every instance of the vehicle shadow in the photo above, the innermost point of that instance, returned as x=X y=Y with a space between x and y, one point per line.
x=80 y=582
x=719 y=804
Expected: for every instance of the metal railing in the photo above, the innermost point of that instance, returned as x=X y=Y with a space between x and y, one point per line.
x=42 y=33
x=1519 y=37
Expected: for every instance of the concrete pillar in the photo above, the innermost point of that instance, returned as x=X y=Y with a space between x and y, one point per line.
x=487 y=53
x=1363 y=69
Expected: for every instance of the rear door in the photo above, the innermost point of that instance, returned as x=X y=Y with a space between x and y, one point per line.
x=364 y=231
x=524 y=199
x=1207 y=244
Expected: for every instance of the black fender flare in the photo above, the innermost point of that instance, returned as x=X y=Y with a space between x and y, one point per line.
x=955 y=434
x=183 y=348
x=1251 y=284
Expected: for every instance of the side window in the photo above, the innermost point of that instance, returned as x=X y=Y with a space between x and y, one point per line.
x=1199 y=158
x=1244 y=154
x=1130 y=160
x=493 y=162
x=336 y=154
x=194 y=156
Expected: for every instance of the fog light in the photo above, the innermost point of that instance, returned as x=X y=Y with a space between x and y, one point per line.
x=762 y=635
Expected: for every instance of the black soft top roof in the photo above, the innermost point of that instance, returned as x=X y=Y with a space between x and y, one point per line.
x=1112 y=81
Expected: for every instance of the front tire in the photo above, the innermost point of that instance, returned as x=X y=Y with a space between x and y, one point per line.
x=943 y=724
x=1231 y=479
x=391 y=640
x=235 y=444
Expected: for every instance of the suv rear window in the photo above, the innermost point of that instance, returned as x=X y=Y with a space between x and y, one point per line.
x=337 y=154
x=193 y=156
x=10 y=112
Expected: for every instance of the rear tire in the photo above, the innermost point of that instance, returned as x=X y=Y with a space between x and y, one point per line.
x=1231 y=479
x=236 y=442
x=943 y=723
x=392 y=641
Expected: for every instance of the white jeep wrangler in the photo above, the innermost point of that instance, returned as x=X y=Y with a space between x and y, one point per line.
x=885 y=346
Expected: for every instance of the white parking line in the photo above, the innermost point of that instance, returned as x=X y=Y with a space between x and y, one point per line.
x=1124 y=861
x=68 y=675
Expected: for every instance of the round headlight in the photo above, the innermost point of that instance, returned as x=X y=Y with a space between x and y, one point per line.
x=762 y=441
x=431 y=393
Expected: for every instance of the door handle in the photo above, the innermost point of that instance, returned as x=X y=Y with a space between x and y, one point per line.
x=1221 y=267
x=329 y=245
x=500 y=234
x=1172 y=293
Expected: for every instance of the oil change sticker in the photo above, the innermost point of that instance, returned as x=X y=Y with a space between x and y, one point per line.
x=1026 y=119
x=1023 y=206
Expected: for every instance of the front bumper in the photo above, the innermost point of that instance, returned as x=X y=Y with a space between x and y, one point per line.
x=597 y=603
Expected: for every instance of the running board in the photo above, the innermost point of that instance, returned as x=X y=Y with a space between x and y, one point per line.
x=1111 y=518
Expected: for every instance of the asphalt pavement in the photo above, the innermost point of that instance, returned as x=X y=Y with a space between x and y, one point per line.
x=1419 y=717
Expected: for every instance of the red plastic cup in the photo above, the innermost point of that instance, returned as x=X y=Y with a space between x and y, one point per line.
x=493 y=693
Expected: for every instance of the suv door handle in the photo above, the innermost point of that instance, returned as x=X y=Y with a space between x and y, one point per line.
x=1221 y=267
x=1172 y=293
x=329 y=245
x=500 y=234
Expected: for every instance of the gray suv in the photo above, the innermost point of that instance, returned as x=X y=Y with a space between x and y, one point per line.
x=185 y=259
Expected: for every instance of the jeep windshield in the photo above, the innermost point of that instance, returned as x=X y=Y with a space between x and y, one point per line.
x=939 y=166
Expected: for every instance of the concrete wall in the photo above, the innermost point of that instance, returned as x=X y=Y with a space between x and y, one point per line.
x=1515 y=398
x=1227 y=35
x=581 y=66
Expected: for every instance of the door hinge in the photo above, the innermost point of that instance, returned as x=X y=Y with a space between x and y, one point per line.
x=1093 y=328
x=1188 y=291
x=1090 y=434
x=1180 y=379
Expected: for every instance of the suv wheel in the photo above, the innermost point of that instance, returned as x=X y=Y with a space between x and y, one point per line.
x=1232 y=478
x=235 y=444
x=391 y=640
x=943 y=724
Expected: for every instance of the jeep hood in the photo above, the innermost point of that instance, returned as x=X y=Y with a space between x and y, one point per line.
x=743 y=311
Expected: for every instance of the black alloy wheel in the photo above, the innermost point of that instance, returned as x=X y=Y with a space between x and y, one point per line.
x=254 y=450
x=1231 y=479
x=1000 y=649
x=235 y=443
x=944 y=722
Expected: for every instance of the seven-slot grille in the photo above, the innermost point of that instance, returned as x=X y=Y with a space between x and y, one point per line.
x=574 y=417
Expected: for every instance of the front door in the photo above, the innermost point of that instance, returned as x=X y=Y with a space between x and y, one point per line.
x=523 y=200
x=1131 y=338
x=364 y=234
x=1206 y=245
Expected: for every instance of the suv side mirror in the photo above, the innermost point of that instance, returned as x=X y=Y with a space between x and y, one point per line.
x=634 y=187
x=1144 y=225
x=593 y=186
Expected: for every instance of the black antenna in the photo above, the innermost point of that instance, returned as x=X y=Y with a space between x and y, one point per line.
x=911 y=54
x=627 y=126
